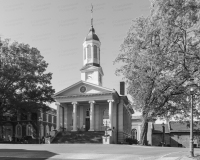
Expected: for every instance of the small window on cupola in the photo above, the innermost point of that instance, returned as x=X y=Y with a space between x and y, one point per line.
x=99 y=55
x=95 y=51
x=84 y=53
x=89 y=52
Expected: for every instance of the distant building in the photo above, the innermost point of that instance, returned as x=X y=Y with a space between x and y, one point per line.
x=177 y=134
x=16 y=127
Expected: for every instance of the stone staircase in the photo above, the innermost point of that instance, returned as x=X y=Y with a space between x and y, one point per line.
x=79 y=137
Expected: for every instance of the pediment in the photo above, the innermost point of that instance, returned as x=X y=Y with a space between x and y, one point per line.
x=75 y=89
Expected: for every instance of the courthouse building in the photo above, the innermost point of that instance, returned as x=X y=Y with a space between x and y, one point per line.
x=87 y=105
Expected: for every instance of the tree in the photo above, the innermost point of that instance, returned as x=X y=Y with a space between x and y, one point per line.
x=159 y=55
x=24 y=85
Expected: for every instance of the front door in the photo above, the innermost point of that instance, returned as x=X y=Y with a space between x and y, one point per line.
x=87 y=124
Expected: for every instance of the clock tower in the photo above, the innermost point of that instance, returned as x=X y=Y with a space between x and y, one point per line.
x=91 y=70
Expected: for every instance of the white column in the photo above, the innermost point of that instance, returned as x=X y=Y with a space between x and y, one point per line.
x=58 y=116
x=110 y=112
x=91 y=115
x=81 y=117
x=74 y=116
x=61 y=116
x=97 y=121
x=65 y=117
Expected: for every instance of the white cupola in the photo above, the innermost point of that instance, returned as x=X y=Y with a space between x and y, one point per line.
x=91 y=70
x=91 y=48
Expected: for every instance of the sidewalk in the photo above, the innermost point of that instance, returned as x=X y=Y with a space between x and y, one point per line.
x=179 y=157
x=189 y=158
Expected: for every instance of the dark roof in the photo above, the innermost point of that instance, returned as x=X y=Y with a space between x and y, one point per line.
x=157 y=128
x=88 y=65
x=183 y=126
x=175 y=126
x=91 y=35
x=125 y=98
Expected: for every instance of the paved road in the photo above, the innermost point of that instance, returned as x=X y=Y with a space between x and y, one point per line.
x=89 y=152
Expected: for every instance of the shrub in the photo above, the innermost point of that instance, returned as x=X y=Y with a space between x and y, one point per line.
x=131 y=141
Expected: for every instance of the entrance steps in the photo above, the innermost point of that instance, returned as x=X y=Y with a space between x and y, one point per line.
x=79 y=137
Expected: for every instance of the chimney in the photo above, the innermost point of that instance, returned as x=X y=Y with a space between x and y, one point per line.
x=122 y=88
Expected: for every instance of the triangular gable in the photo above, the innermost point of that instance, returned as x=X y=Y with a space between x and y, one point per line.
x=90 y=88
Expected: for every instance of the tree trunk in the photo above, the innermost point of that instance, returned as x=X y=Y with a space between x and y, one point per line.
x=143 y=135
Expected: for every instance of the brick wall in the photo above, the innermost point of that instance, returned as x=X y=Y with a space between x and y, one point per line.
x=157 y=139
x=180 y=139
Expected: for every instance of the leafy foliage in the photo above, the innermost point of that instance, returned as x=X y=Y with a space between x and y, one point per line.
x=24 y=85
x=160 y=55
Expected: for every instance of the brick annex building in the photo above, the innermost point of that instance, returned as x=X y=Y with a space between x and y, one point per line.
x=84 y=107
x=13 y=128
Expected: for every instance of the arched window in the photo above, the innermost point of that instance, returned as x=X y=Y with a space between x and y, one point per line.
x=18 y=130
x=29 y=131
x=84 y=53
x=89 y=52
x=134 y=133
x=95 y=51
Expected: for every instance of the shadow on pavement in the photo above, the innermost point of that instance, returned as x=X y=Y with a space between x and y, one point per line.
x=22 y=154
x=197 y=156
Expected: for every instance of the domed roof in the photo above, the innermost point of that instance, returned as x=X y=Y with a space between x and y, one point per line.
x=91 y=35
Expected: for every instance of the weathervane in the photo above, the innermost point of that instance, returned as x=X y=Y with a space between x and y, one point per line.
x=91 y=15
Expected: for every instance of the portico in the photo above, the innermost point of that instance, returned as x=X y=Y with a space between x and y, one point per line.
x=85 y=113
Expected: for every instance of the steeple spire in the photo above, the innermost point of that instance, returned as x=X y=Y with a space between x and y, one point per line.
x=91 y=16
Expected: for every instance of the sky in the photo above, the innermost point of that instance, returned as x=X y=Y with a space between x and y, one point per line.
x=57 y=28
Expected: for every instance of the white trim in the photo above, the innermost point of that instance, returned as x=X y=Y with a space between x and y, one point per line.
x=93 y=68
x=91 y=84
x=64 y=99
